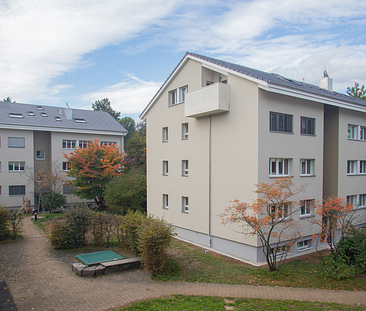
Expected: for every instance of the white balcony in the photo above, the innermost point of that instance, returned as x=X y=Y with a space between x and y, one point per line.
x=211 y=99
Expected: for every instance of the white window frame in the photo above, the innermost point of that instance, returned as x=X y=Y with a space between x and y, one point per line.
x=40 y=155
x=362 y=200
x=16 y=166
x=356 y=167
x=165 y=168
x=68 y=144
x=83 y=143
x=108 y=143
x=185 y=168
x=306 y=207
x=65 y=166
x=285 y=210
x=357 y=200
x=165 y=134
x=304 y=245
x=356 y=132
x=185 y=205
x=185 y=131
x=279 y=167
x=307 y=167
x=177 y=96
x=307 y=126
x=165 y=201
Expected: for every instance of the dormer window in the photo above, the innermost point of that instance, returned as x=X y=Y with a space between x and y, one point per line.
x=15 y=115
x=79 y=120
x=31 y=113
x=43 y=114
x=58 y=119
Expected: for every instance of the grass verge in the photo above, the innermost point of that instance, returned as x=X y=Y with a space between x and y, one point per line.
x=218 y=303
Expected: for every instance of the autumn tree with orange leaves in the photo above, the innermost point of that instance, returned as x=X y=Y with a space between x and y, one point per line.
x=92 y=168
x=269 y=218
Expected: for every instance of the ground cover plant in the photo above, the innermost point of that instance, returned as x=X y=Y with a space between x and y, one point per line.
x=218 y=303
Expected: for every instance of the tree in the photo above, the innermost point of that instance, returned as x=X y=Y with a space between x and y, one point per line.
x=337 y=218
x=269 y=218
x=129 y=124
x=356 y=91
x=136 y=150
x=47 y=180
x=92 y=168
x=127 y=192
x=8 y=100
x=105 y=105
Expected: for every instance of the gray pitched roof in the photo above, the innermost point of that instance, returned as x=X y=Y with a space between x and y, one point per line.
x=94 y=120
x=277 y=79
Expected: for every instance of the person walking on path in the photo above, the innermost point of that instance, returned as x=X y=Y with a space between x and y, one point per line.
x=39 y=281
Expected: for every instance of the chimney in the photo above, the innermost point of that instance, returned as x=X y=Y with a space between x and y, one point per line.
x=326 y=82
x=68 y=112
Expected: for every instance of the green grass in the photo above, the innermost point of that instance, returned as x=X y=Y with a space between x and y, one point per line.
x=217 y=303
x=44 y=217
x=191 y=264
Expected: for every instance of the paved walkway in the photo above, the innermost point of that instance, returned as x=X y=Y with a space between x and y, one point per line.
x=38 y=281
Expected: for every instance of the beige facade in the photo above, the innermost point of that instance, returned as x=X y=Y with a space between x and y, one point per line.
x=31 y=142
x=231 y=130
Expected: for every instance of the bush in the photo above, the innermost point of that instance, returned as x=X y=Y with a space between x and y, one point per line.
x=130 y=224
x=53 y=200
x=78 y=220
x=336 y=267
x=58 y=235
x=4 y=224
x=154 y=237
x=15 y=219
x=353 y=249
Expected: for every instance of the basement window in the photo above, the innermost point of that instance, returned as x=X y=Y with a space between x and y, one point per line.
x=15 y=115
x=79 y=120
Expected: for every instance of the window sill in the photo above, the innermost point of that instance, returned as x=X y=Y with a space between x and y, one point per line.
x=170 y=105
x=306 y=216
x=307 y=175
x=165 y=175
x=184 y=212
x=311 y=135
x=299 y=250
x=359 y=208
x=164 y=141
x=42 y=159
x=356 y=174
x=279 y=176
x=184 y=175
x=281 y=132
x=166 y=208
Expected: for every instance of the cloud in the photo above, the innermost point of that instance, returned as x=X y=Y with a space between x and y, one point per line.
x=41 y=39
x=128 y=97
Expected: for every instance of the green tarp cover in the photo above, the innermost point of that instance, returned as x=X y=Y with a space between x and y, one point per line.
x=98 y=257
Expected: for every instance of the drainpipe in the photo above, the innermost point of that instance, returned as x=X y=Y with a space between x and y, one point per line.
x=209 y=181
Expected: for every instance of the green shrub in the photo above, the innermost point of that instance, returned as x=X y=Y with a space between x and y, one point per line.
x=154 y=237
x=336 y=267
x=4 y=224
x=53 y=200
x=353 y=249
x=15 y=220
x=58 y=235
x=78 y=220
x=130 y=224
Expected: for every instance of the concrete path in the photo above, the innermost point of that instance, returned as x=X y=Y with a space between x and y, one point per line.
x=38 y=281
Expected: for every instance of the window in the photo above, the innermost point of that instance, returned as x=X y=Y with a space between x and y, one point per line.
x=185 y=168
x=68 y=189
x=279 y=167
x=16 y=166
x=79 y=120
x=352 y=199
x=306 y=207
x=352 y=131
x=185 y=206
x=108 y=143
x=356 y=167
x=280 y=122
x=0 y=191
x=16 y=190
x=68 y=144
x=31 y=113
x=280 y=212
x=307 y=126
x=83 y=143
x=165 y=201
x=305 y=244
x=165 y=168
x=280 y=250
x=362 y=200
x=185 y=131
x=44 y=114
x=58 y=118
x=306 y=167
x=40 y=155
x=16 y=142
x=15 y=115
x=357 y=200
x=39 y=107
x=165 y=134
x=178 y=96
x=65 y=166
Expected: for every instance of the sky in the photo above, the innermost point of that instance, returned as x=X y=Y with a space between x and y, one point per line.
x=80 y=51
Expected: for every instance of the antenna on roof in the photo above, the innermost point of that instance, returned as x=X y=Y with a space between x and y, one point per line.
x=325 y=74
x=67 y=105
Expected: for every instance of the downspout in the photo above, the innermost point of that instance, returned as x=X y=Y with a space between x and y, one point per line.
x=209 y=181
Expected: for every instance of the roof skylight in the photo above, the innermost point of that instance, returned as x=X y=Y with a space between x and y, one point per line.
x=39 y=107
x=31 y=113
x=15 y=115
x=79 y=120
x=58 y=119
x=43 y=114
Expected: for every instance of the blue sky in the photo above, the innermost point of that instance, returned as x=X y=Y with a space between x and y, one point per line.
x=58 y=51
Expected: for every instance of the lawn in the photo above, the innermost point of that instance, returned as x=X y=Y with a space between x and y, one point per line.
x=218 y=303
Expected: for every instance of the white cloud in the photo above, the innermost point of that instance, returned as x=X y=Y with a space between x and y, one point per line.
x=42 y=39
x=128 y=97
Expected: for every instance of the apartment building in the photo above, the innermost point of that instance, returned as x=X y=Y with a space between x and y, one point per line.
x=33 y=137
x=215 y=129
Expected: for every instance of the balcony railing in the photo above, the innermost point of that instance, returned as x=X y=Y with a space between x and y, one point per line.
x=211 y=99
